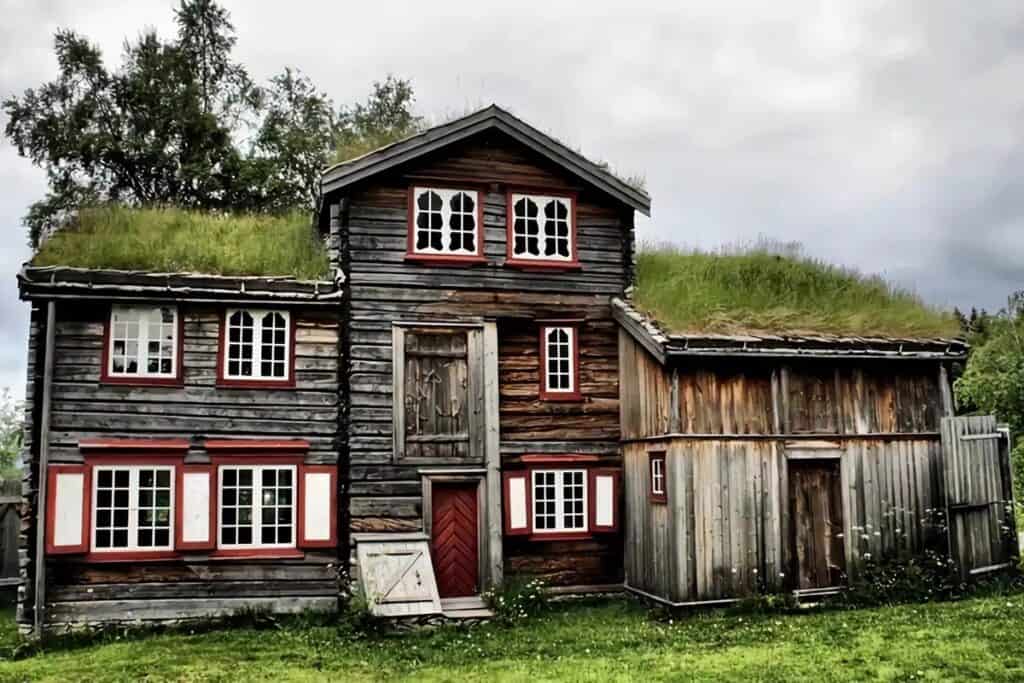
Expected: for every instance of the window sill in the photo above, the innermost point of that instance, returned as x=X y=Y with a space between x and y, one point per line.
x=255 y=383
x=527 y=264
x=173 y=382
x=446 y=259
x=130 y=556
x=256 y=554
x=574 y=397
x=658 y=499
x=560 y=536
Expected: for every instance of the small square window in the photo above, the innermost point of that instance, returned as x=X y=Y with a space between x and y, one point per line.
x=142 y=343
x=658 y=487
x=258 y=346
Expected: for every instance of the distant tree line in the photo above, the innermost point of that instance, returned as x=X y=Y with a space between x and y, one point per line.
x=180 y=122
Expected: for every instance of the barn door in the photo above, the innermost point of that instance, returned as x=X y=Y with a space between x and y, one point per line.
x=438 y=388
x=816 y=508
x=979 y=494
x=454 y=538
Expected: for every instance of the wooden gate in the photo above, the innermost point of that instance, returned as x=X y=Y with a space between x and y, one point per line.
x=979 y=494
x=454 y=542
x=816 y=505
x=10 y=523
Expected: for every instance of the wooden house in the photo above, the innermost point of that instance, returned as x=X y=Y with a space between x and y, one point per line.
x=182 y=442
x=480 y=259
x=759 y=463
x=466 y=394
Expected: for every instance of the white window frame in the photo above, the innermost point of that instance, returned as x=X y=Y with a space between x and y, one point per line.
x=142 y=357
x=570 y=332
x=257 y=507
x=446 y=195
x=133 y=508
x=257 y=345
x=560 y=514
x=541 y=201
x=658 y=474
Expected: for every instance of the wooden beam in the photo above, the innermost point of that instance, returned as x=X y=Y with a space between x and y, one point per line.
x=39 y=595
x=492 y=448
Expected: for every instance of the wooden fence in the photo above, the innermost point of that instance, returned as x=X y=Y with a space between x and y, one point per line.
x=979 y=495
x=10 y=522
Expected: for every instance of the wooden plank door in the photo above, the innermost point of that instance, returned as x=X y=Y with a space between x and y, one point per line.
x=816 y=506
x=454 y=542
x=979 y=494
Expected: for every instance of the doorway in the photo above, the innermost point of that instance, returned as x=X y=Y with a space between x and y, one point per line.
x=454 y=537
x=816 y=508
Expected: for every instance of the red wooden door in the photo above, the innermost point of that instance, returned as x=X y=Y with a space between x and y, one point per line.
x=454 y=538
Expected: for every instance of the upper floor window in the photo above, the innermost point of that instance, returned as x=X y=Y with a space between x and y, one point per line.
x=445 y=224
x=541 y=229
x=257 y=346
x=559 y=361
x=142 y=344
x=132 y=508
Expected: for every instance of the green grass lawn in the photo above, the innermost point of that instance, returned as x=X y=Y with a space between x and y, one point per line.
x=978 y=639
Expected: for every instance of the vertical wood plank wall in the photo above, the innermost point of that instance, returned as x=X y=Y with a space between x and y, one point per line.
x=85 y=408
x=724 y=531
x=384 y=288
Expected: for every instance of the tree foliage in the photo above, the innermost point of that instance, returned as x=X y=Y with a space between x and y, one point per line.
x=180 y=122
x=11 y=434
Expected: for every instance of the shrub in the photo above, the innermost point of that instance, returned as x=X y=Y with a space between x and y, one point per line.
x=518 y=598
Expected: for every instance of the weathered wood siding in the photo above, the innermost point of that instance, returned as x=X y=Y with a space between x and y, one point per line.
x=83 y=408
x=729 y=430
x=725 y=530
x=384 y=288
x=766 y=396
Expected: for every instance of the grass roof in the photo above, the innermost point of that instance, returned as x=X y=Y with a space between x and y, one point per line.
x=773 y=289
x=178 y=240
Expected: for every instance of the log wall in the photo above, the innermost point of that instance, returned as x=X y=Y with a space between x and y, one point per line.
x=385 y=288
x=83 y=407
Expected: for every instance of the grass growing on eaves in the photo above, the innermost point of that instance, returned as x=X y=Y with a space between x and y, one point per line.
x=773 y=289
x=179 y=240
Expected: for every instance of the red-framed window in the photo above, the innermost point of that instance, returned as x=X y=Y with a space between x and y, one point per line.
x=257 y=348
x=445 y=225
x=658 y=480
x=559 y=361
x=133 y=500
x=142 y=345
x=541 y=230
x=561 y=498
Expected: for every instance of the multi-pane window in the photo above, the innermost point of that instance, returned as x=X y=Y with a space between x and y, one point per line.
x=132 y=508
x=143 y=342
x=444 y=222
x=257 y=506
x=559 y=360
x=258 y=345
x=658 y=476
x=541 y=228
x=559 y=500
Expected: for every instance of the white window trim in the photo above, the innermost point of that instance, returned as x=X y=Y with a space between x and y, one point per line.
x=658 y=475
x=133 y=509
x=257 y=506
x=560 y=501
x=570 y=331
x=257 y=335
x=143 y=342
x=446 y=228
x=541 y=201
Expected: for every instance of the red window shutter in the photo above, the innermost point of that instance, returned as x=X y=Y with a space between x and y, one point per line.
x=318 y=506
x=604 y=499
x=68 y=509
x=195 y=513
x=517 y=503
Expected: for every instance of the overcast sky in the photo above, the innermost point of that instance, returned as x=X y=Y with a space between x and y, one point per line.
x=888 y=136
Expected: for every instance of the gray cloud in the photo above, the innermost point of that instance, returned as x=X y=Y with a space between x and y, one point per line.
x=885 y=136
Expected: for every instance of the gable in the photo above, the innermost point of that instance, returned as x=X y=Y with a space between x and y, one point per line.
x=493 y=119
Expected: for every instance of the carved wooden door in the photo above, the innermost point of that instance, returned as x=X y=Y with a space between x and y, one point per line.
x=439 y=400
x=454 y=538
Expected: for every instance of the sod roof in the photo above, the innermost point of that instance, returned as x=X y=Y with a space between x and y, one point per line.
x=170 y=240
x=760 y=292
